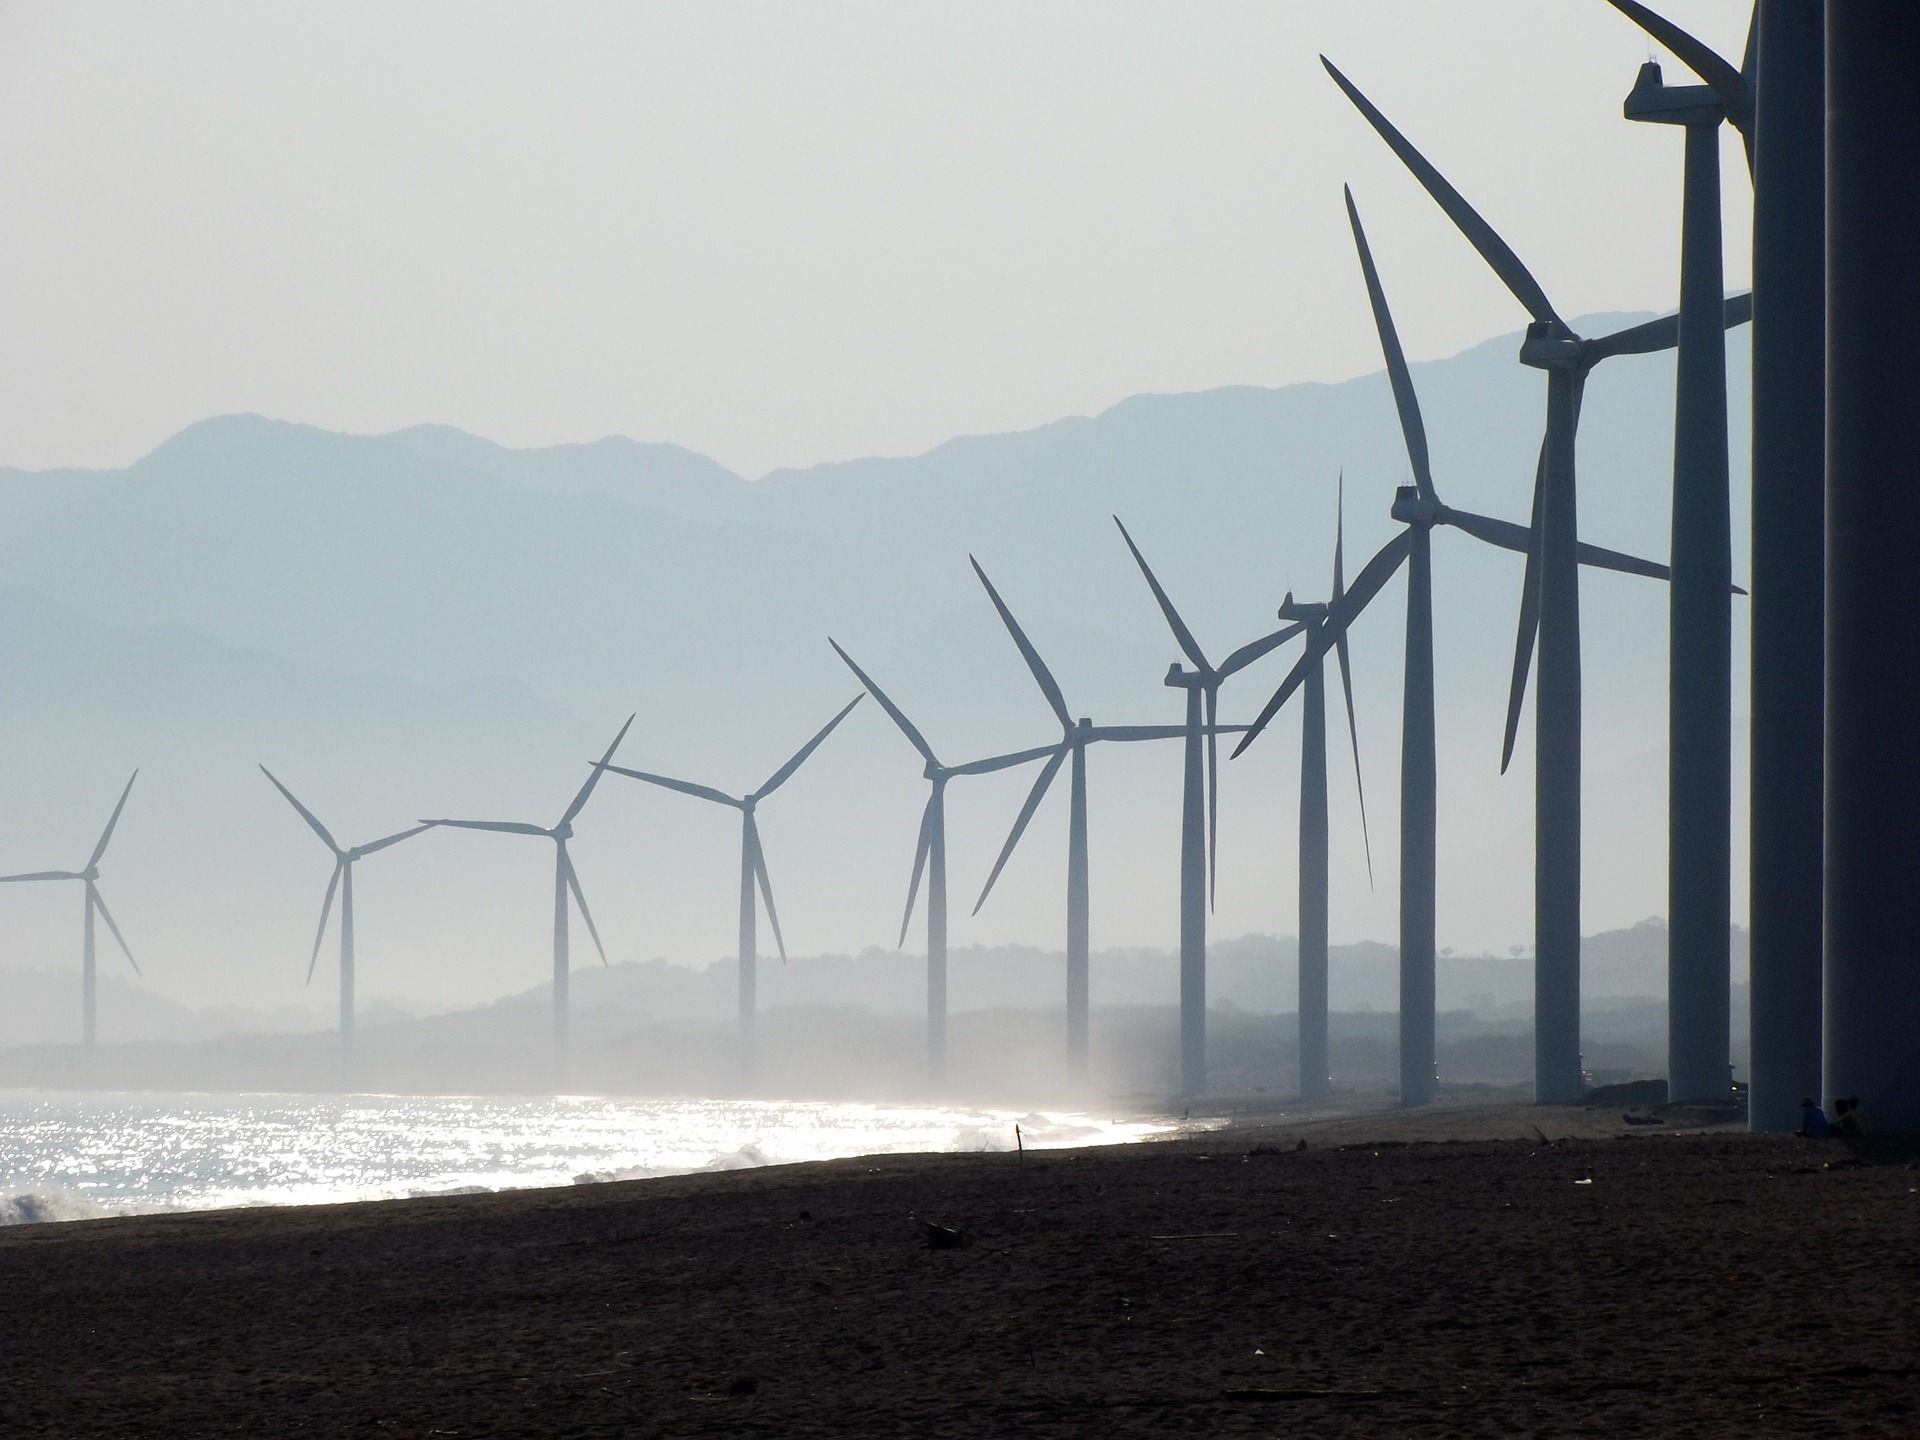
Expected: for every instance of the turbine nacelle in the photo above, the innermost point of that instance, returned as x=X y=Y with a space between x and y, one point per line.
x=563 y=831
x=1550 y=345
x=1181 y=678
x=1304 y=612
x=1655 y=102
x=1410 y=507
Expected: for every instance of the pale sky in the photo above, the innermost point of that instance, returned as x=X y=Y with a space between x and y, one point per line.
x=782 y=233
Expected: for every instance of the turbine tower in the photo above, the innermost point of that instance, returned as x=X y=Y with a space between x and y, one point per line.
x=1075 y=737
x=89 y=875
x=1199 y=863
x=565 y=882
x=1419 y=509
x=1700 y=653
x=753 y=867
x=1550 y=605
x=342 y=880
x=930 y=857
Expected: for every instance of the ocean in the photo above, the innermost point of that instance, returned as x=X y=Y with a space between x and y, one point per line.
x=69 y=1156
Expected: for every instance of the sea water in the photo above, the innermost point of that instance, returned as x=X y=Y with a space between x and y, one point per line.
x=75 y=1155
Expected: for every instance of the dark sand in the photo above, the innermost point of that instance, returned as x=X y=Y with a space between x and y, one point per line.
x=1706 y=1284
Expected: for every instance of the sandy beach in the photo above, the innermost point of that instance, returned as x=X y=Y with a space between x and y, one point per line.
x=1485 y=1271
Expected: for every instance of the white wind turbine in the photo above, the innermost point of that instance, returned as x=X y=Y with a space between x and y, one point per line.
x=89 y=875
x=342 y=881
x=565 y=881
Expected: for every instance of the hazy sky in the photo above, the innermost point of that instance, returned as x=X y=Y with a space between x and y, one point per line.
x=780 y=234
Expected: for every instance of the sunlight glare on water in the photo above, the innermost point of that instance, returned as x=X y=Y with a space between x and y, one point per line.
x=65 y=1156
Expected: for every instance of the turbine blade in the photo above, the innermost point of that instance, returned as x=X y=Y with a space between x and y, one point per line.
x=580 y=799
x=1412 y=427
x=1213 y=793
x=326 y=909
x=1729 y=86
x=685 y=787
x=100 y=904
x=1179 y=627
x=1002 y=762
x=1663 y=333
x=1252 y=651
x=1466 y=219
x=1138 y=732
x=1339 y=539
x=1034 y=797
x=785 y=772
x=1529 y=618
x=1340 y=614
x=1353 y=735
x=580 y=899
x=919 y=863
x=1042 y=676
x=393 y=840
x=503 y=827
x=1601 y=558
x=906 y=726
x=112 y=820
x=766 y=889
x=313 y=821
x=43 y=875
x=1502 y=534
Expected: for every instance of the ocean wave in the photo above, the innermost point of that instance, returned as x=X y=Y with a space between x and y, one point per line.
x=43 y=1207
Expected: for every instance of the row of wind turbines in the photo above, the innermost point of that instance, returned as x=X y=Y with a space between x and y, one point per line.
x=1700 y=576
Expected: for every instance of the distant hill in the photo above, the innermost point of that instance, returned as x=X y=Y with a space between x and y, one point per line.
x=428 y=623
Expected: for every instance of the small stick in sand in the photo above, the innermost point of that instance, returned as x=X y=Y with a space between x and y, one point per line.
x=1019 y=1144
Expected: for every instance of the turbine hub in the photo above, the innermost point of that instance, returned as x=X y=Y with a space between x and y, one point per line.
x=563 y=831
x=90 y=874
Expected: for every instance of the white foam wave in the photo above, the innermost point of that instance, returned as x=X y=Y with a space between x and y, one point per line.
x=42 y=1207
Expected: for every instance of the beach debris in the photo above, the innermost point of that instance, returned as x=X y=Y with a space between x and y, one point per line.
x=744 y=1385
x=945 y=1237
x=1587 y=1181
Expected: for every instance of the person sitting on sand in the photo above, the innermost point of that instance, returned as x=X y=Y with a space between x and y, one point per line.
x=1813 y=1120
x=1852 y=1120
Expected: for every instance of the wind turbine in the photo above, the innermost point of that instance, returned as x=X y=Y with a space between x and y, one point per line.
x=930 y=856
x=1419 y=509
x=1075 y=736
x=89 y=875
x=1550 y=605
x=342 y=880
x=565 y=881
x=753 y=864
x=1199 y=864
x=1700 y=615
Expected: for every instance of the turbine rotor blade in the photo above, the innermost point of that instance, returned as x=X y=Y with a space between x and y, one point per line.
x=502 y=827
x=785 y=772
x=112 y=820
x=1529 y=618
x=685 y=787
x=1340 y=614
x=1482 y=236
x=580 y=800
x=580 y=899
x=1042 y=676
x=100 y=904
x=1662 y=333
x=1405 y=401
x=382 y=844
x=906 y=726
x=43 y=875
x=1254 y=650
x=920 y=851
x=1181 y=633
x=1729 y=86
x=1126 y=733
x=326 y=909
x=1353 y=735
x=313 y=821
x=1002 y=762
x=1034 y=797
x=766 y=888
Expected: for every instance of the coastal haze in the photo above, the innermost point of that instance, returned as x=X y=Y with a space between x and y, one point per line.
x=449 y=251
